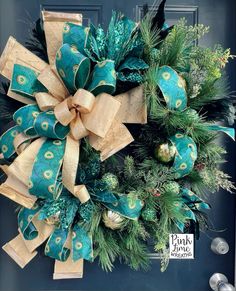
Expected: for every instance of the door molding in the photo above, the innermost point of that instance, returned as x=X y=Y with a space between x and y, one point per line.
x=91 y=12
x=174 y=13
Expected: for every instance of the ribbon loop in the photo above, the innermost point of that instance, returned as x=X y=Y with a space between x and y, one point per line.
x=76 y=36
x=63 y=113
x=25 y=118
x=172 y=87
x=7 y=141
x=84 y=100
x=186 y=154
x=103 y=78
x=24 y=81
x=73 y=67
x=26 y=226
x=46 y=124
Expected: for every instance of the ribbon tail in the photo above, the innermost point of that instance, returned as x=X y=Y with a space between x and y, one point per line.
x=82 y=246
x=227 y=130
x=69 y=170
x=56 y=246
x=68 y=269
x=33 y=231
x=18 y=251
x=192 y=199
x=16 y=185
x=133 y=108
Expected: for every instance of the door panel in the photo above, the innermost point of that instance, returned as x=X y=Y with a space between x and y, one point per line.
x=181 y=275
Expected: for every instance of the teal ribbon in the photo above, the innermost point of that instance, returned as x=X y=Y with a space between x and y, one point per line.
x=189 y=202
x=33 y=122
x=186 y=154
x=6 y=141
x=227 y=130
x=55 y=247
x=172 y=88
x=76 y=36
x=73 y=65
x=25 y=119
x=126 y=205
x=25 y=223
x=193 y=201
x=82 y=246
x=45 y=181
x=24 y=82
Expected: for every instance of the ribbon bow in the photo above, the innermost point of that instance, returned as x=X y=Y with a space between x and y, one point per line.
x=59 y=116
x=67 y=102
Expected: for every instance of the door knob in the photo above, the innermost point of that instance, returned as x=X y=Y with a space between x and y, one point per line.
x=219 y=282
x=219 y=246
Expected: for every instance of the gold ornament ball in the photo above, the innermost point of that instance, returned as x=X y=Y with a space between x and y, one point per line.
x=54 y=219
x=112 y=219
x=165 y=152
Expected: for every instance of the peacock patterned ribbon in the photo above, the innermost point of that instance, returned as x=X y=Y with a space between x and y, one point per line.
x=172 y=87
x=70 y=236
x=227 y=130
x=188 y=204
x=186 y=154
x=186 y=150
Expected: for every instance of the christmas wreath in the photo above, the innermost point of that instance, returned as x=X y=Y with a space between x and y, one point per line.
x=85 y=191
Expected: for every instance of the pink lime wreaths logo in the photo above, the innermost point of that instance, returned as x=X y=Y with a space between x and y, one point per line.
x=181 y=246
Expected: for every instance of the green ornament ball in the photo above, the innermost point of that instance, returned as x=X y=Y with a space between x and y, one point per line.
x=149 y=214
x=111 y=180
x=172 y=187
x=165 y=152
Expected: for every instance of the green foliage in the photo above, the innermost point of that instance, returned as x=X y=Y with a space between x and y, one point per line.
x=127 y=244
x=105 y=247
x=175 y=51
x=150 y=38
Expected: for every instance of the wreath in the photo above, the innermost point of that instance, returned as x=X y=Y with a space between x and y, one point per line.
x=116 y=142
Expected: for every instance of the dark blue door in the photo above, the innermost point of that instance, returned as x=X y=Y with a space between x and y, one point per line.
x=181 y=275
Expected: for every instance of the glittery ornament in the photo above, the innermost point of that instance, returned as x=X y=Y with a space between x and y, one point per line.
x=149 y=214
x=165 y=152
x=86 y=210
x=172 y=187
x=155 y=55
x=111 y=180
x=112 y=219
